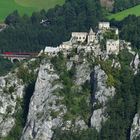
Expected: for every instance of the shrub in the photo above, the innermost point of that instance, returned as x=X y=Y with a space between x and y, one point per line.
x=110 y=81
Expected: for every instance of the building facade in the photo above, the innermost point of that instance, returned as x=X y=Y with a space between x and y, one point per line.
x=104 y=25
x=112 y=46
x=91 y=36
x=84 y=36
x=51 y=51
x=80 y=36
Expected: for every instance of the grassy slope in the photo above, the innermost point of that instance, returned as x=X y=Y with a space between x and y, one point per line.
x=25 y=6
x=39 y=4
x=121 y=15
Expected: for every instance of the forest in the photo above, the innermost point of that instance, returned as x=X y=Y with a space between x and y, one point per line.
x=28 y=34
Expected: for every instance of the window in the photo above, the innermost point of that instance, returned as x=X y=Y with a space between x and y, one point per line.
x=51 y=66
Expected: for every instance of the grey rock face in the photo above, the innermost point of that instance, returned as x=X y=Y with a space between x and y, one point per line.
x=11 y=89
x=97 y=118
x=135 y=64
x=45 y=112
x=116 y=64
x=78 y=125
x=46 y=108
x=82 y=73
x=135 y=129
x=101 y=95
x=102 y=92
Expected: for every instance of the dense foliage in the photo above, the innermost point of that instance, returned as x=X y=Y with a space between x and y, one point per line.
x=28 y=34
x=5 y=66
x=89 y=134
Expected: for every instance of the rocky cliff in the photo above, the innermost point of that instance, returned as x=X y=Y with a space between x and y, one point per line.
x=11 y=92
x=45 y=113
x=101 y=94
x=135 y=130
x=72 y=93
x=49 y=109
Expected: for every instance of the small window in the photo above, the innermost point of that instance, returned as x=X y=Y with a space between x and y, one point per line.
x=51 y=66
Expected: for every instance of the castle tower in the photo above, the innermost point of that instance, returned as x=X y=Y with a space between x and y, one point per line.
x=91 y=36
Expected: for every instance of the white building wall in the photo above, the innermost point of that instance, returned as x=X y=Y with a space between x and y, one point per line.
x=91 y=38
x=80 y=36
x=104 y=25
x=112 y=46
x=65 y=46
x=117 y=31
x=51 y=50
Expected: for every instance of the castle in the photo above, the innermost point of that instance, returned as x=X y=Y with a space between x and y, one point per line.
x=83 y=36
x=89 y=39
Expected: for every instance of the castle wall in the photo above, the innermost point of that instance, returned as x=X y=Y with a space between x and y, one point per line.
x=112 y=46
x=104 y=25
x=80 y=36
x=91 y=38
x=65 y=46
x=51 y=50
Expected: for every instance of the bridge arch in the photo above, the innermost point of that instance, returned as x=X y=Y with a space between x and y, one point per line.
x=15 y=60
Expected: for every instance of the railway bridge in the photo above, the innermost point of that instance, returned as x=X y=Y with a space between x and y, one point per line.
x=18 y=56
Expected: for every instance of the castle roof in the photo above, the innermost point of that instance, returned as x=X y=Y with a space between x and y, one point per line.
x=79 y=33
x=91 y=32
x=104 y=22
x=50 y=49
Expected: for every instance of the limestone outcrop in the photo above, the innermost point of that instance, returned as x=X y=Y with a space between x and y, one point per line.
x=135 y=128
x=101 y=93
x=45 y=112
x=11 y=91
x=135 y=63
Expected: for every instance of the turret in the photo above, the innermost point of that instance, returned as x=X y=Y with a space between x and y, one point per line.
x=91 y=36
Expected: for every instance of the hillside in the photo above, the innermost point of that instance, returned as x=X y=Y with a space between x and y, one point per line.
x=123 y=14
x=115 y=6
x=25 y=6
x=77 y=93
x=41 y=4
x=32 y=36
